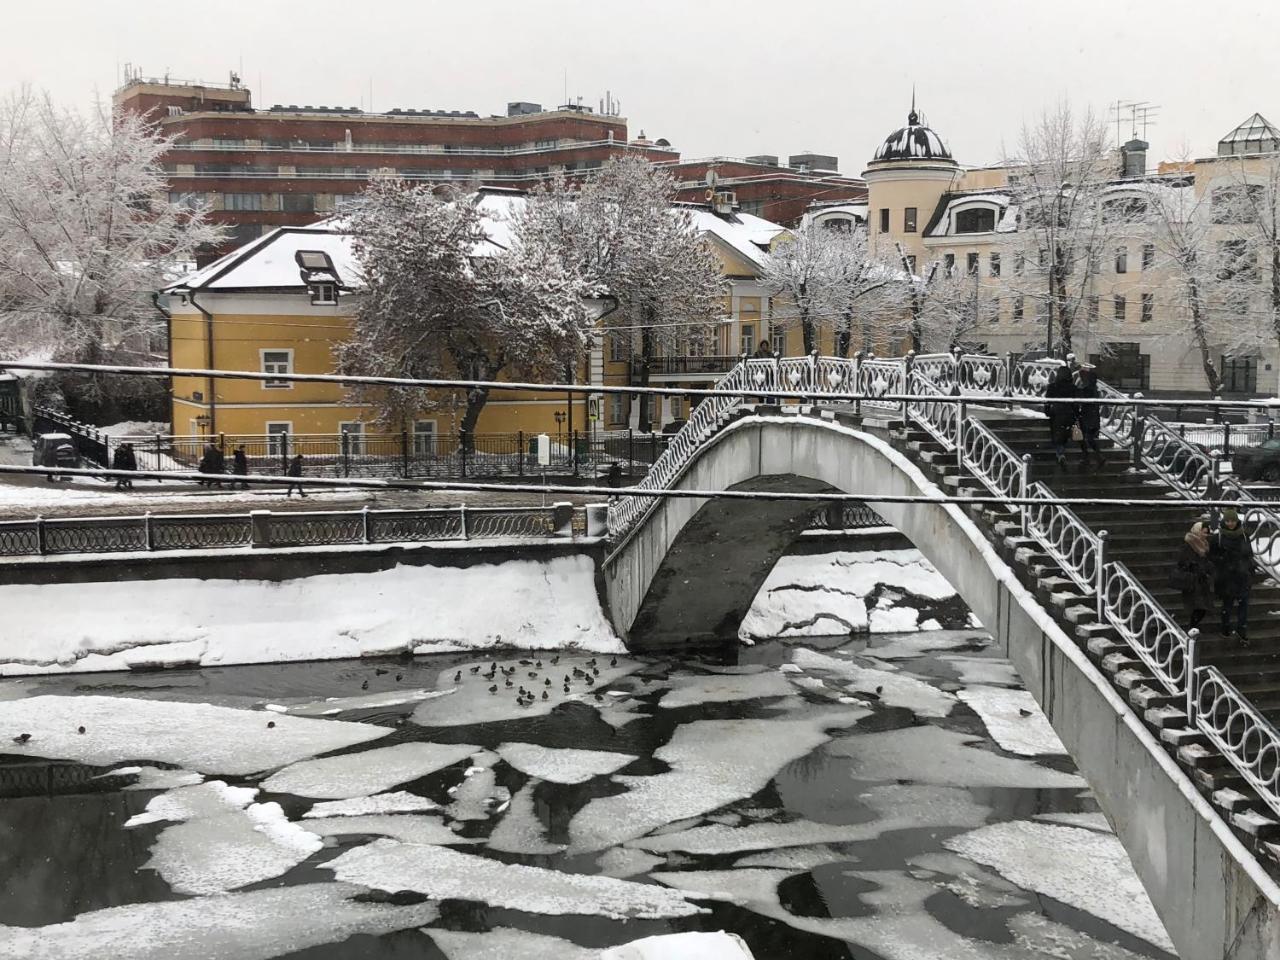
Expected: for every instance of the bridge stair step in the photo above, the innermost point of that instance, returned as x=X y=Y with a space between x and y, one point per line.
x=1182 y=737
x=1152 y=696
x=1165 y=716
x=1113 y=663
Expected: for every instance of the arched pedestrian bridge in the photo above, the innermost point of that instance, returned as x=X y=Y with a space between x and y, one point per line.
x=1183 y=758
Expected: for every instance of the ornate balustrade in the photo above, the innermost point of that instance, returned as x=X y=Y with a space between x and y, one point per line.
x=1239 y=731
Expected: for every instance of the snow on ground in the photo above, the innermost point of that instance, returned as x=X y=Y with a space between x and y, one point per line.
x=1014 y=720
x=713 y=762
x=825 y=594
x=91 y=492
x=197 y=736
x=562 y=765
x=135 y=428
x=893 y=689
x=215 y=854
x=441 y=874
x=688 y=690
x=405 y=827
x=1083 y=868
x=398 y=801
x=505 y=943
x=474 y=703
x=366 y=772
x=245 y=926
x=520 y=830
x=930 y=754
x=548 y=603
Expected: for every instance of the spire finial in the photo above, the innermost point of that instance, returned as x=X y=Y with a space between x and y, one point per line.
x=913 y=118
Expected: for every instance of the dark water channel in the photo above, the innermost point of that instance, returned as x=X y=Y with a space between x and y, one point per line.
x=893 y=789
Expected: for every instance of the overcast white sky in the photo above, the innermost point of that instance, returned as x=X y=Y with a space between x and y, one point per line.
x=713 y=77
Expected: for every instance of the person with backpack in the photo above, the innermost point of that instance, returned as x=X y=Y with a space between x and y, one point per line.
x=1232 y=557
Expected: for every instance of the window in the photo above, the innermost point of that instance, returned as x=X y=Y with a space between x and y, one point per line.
x=174 y=110
x=1124 y=210
x=299 y=202
x=1237 y=203
x=1236 y=260
x=1042 y=311
x=991 y=309
x=1019 y=305
x=1119 y=308
x=909 y=220
x=354 y=431
x=949 y=264
x=993 y=267
x=187 y=200
x=1148 y=307
x=323 y=293
x=1125 y=369
x=778 y=335
x=1095 y=261
x=1239 y=374
x=1148 y=256
x=1122 y=259
x=619 y=345
x=277 y=361
x=1042 y=257
x=345 y=202
x=884 y=219
x=1019 y=263
x=227 y=143
x=242 y=201
x=617 y=409
x=278 y=433
x=1093 y=309
x=971 y=264
x=979 y=220
x=838 y=224
x=747 y=338
x=424 y=437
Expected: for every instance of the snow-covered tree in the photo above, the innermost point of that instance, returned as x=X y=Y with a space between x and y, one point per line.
x=440 y=301
x=624 y=235
x=87 y=234
x=944 y=308
x=1061 y=170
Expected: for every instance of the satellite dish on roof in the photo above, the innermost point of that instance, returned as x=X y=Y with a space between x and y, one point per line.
x=711 y=179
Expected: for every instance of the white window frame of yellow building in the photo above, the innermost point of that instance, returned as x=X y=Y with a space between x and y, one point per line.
x=617 y=409
x=262 y=362
x=424 y=436
x=270 y=434
x=747 y=337
x=354 y=430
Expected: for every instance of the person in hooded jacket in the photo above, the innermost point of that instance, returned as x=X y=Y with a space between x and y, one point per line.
x=120 y=461
x=1061 y=415
x=1193 y=575
x=1232 y=557
x=240 y=466
x=1089 y=416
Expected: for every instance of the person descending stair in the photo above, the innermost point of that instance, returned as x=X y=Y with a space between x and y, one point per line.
x=1062 y=416
x=1193 y=576
x=1232 y=558
x=1089 y=416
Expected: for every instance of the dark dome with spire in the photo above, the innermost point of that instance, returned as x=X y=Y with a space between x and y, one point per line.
x=915 y=141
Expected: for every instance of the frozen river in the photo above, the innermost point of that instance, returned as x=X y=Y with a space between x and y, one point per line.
x=896 y=798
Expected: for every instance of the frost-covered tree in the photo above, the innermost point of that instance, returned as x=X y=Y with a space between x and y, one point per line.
x=622 y=231
x=945 y=308
x=441 y=301
x=1060 y=173
x=87 y=234
x=823 y=279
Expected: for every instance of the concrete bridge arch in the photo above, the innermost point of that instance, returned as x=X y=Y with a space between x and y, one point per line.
x=689 y=567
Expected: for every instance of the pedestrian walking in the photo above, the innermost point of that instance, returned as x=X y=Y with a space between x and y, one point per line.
x=208 y=463
x=1062 y=415
x=1232 y=558
x=119 y=461
x=295 y=471
x=614 y=476
x=1193 y=575
x=1089 y=416
x=240 y=466
x=130 y=463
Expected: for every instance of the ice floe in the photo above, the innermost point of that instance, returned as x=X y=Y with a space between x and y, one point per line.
x=199 y=800
x=990 y=671
x=405 y=827
x=713 y=762
x=1083 y=868
x=442 y=874
x=624 y=862
x=214 y=854
x=398 y=801
x=560 y=765
x=690 y=945
x=256 y=925
x=794 y=858
x=1014 y=720
x=520 y=830
x=365 y=772
x=893 y=689
x=198 y=736
x=908 y=646
x=931 y=754
x=155 y=778
x=689 y=690
x=479 y=794
x=1091 y=821
x=505 y=943
x=370 y=701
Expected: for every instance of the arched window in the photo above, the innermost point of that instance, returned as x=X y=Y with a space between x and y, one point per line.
x=839 y=224
x=976 y=220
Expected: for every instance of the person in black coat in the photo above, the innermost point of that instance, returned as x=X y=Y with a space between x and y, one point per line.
x=1061 y=415
x=240 y=466
x=295 y=470
x=1232 y=557
x=1193 y=575
x=130 y=463
x=120 y=461
x=1089 y=416
x=208 y=463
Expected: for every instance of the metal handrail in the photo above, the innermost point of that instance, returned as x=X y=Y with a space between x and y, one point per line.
x=1244 y=736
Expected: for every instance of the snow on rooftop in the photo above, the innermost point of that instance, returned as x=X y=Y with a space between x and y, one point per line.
x=747 y=235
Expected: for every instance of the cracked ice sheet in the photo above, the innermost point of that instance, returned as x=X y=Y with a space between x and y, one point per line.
x=520 y=830
x=154 y=778
x=562 y=765
x=621 y=862
x=188 y=802
x=688 y=690
x=443 y=874
x=370 y=701
x=908 y=646
x=932 y=755
x=1014 y=720
x=197 y=736
x=504 y=943
x=256 y=925
x=713 y=762
x=474 y=704
x=896 y=690
x=901 y=807
x=220 y=853
x=367 y=772
x=1092 y=821
x=901 y=927
x=984 y=670
x=1083 y=868
x=398 y=801
x=405 y=827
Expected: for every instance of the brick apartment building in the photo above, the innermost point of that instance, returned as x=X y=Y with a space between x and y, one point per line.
x=761 y=186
